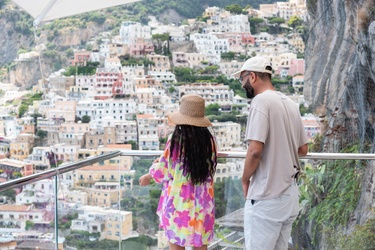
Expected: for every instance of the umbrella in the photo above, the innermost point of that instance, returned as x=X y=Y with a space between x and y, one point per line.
x=46 y=10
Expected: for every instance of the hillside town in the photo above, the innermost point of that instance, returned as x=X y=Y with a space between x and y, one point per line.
x=124 y=107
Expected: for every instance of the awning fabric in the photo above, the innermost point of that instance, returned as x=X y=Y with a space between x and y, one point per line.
x=46 y=10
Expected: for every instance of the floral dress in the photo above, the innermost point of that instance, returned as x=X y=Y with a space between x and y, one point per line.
x=186 y=211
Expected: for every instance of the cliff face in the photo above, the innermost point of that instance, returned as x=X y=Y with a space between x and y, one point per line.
x=340 y=68
x=26 y=73
x=340 y=82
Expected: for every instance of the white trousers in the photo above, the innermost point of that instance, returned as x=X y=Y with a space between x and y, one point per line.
x=268 y=223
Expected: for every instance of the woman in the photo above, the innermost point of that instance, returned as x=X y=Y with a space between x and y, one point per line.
x=186 y=169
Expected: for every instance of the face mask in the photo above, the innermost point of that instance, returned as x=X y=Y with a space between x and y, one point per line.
x=249 y=89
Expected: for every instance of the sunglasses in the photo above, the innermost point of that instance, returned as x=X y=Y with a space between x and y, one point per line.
x=242 y=77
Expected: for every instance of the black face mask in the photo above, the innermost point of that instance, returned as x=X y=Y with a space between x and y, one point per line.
x=249 y=89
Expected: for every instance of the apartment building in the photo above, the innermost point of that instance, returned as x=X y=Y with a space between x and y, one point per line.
x=21 y=147
x=65 y=152
x=40 y=192
x=148 y=138
x=8 y=125
x=108 y=83
x=161 y=63
x=73 y=133
x=16 y=216
x=211 y=92
x=228 y=68
x=80 y=58
x=60 y=84
x=232 y=169
x=117 y=49
x=112 y=63
x=210 y=44
x=109 y=110
x=104 y=136
x=130 y=31
x=191 y=60
x=14 y=168
x=62 y=110
x=39 y=159
x=86 y=177
x=111 y=224
x=164 y=77
x=141 y=47
x=311 y=125
x=227 y=134
x=85 y=84
x=126 y=131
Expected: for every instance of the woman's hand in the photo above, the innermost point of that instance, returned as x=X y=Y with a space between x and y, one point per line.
x=144 y=180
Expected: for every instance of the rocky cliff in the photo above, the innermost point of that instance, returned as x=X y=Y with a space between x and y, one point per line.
x=340 y=83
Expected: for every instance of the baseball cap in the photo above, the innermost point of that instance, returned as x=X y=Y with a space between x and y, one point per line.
x=255 y=64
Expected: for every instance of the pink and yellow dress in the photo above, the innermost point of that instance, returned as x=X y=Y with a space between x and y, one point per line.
x=186 y=211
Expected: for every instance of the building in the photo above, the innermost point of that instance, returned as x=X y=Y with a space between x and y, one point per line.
x=21 y=147
x=38 y=193
x=111 y=224
x=16 y=216
x=227 y=134
x=211 y=92
x=130 y=31
x=15 y=168
x=148 y=138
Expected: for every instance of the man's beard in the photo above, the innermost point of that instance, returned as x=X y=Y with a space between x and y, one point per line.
x=249 y=89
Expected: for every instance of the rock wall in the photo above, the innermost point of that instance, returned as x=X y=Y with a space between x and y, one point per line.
x=340 y=68
x=340 y=86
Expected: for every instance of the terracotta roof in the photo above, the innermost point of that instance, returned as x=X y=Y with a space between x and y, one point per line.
x=15 y=208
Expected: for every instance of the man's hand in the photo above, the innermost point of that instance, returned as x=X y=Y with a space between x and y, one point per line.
x=144 y=180
x=245 y=187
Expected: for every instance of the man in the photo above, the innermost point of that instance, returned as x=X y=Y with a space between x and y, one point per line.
x=276 y=138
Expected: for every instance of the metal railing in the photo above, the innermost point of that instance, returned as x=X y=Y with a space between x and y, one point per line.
x=94 y=159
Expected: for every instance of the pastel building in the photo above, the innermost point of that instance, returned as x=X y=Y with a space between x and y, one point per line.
x=21 y=147
x=211 y=92
x=232 y=169
x=126 y=131
x=40 y=192
x=228 y=135
x=16 y=216
x=108 y=83
x=148 y=138
x=111 y=224
x=130 y=31
x=10 y=167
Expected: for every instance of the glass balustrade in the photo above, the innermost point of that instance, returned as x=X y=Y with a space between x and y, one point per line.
x=101 y=206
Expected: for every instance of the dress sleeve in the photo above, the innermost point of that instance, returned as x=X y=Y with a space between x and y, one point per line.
x=160 y=171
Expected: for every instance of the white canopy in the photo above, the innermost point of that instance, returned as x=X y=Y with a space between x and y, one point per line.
x=45 y=10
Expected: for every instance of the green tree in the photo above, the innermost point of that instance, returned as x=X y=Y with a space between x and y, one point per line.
x=86 y=119
x=41 y=133
x=212 y=109
x=294 y=22
x=184 y=74
x=234 y=9
x=29 y=225
x=228 y=55
x=255 y=23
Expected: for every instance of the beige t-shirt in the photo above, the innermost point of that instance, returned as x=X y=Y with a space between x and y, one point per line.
x=275 y=120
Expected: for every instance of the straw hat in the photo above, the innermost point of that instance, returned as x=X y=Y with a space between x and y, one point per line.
x=191 y=112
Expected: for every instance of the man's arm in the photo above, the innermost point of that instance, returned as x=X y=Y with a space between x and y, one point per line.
x=253 y=155
x=303 y=150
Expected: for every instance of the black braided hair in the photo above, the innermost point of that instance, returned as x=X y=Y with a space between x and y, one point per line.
x=197 y=147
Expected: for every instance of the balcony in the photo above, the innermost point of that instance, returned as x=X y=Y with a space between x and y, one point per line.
x=131 y=212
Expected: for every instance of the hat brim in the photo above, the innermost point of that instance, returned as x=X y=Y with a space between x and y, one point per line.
x=180 y=119
x=237 y=74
